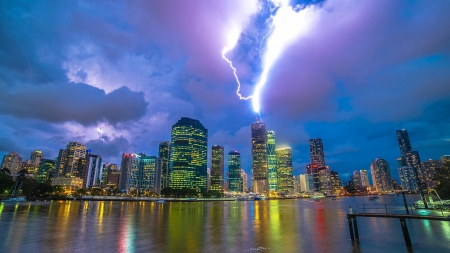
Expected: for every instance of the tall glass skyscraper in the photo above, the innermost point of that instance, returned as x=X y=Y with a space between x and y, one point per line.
x=381 y=175
x=260 y=182
x=403 y=141
x=164 y=155
x=316 y=152
x=272 y=161
x=234 y=172
x=217 y=168
x=284 y=170
x=129 y=168
x=188 y=156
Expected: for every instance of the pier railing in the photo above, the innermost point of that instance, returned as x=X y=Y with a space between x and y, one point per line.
x=386 y=208
x=353 y=225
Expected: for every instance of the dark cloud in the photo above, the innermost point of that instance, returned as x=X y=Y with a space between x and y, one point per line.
x=109 y=148
x=72 y=102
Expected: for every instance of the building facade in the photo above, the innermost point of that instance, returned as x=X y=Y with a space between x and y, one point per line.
x=429 y=172
x=92 y=172
x=66 y=164
x=188 y=156
x=12 y=162
x=364 y=178
x=164 y=155
x=128 y=171
x=217 y=168
x=316 y=152
x=381 y=175
x=284 y=170
x=272 y=161
x=260 y=181
x=235 y=182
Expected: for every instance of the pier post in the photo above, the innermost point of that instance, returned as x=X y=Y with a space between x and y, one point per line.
x=404 y=201
x=355 y=226
x=405 y=233
x=350 y=226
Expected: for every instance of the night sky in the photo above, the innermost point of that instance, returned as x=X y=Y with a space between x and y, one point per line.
x=116 y=75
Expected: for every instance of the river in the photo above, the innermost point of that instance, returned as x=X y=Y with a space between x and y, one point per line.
x=291 y=225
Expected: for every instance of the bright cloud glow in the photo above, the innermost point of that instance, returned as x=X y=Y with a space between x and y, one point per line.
x=288 y=24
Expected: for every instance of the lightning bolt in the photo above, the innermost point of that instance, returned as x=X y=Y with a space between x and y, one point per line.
x=232 y=42
x=288 y=24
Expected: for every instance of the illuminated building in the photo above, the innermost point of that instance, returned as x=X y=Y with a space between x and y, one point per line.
x=259 y=158
x=69 y=184
x=445 y=159
x=272 y=161
x=335 y=182
x=188 y=156
x=66 y=164
x=36 y=156
x=108 y=168
x=217 y=168
x=12 y=162
x=92 y=171
x=148 y=176
x=403 y=141
x=244 y=177
x=356 y=179
x=284 y=170
x=128 y=168
x=429 y=172
x=208 y=179
x=364 y=178
x=381 y=175
x=46 y=167
x=164 y=155
x=316 y=152
x=321 y=178
x=113 y=178
x=235 y=182
x=408 y=178
x=305 y=182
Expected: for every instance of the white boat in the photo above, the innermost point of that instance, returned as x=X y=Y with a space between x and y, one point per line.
x=15 y=194
x=160 y=201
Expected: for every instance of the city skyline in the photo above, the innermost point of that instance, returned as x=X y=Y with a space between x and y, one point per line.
x=119 y=85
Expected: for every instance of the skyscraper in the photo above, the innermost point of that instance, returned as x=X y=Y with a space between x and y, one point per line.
x=259 y=158
x=128 y=171
x=36 y=156
x=164 y=155
x=403 y=141
x=66 y=164
x=234 y=172
x=217 y=168
x=272 y=161
x=188 y=156
x=148 y=174
x=429 y=172
x=92 y=171
x=335 y=182
x=408 y=178
x=356 y=179
x=244 y=180
x=284 y=170
x=364 y=178
x=316 y=152
x=381 y=175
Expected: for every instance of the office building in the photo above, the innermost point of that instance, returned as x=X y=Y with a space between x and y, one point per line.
x=316 y=152
x=272 y=161
x=164 y=155
x=128 y=171
x=235 y=182
x=403 y=141
x=244 y=177
x=259 y=158
x=335 y=182
x=188 y=156
x=45 y=170
x=408 y=178
x=284 y=170
x=217 y=168
x=356 y=179
x=381 y=175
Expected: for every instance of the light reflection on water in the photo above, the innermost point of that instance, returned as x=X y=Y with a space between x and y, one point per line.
x=262 y=226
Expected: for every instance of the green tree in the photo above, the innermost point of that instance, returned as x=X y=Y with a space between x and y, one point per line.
x=6 y=183
x=43 y=190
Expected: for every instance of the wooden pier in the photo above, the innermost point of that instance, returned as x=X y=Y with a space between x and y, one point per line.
x=353 y=225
